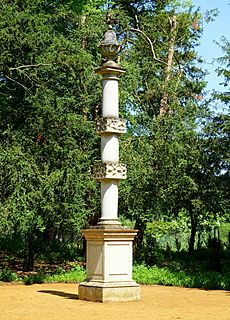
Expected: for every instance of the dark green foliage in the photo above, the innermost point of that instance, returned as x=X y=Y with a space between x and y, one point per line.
x=6 y=275
x=164 y=150
x=178 y=170
x=48 y=143
x=32 y=279
x=224 y=70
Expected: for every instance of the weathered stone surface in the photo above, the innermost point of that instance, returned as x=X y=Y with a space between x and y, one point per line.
x=109 y=46
x=110 y=125
x=108 y=233
x=109 y=148
x=103 y=171
x=117 y=226
x=109 y=201
x=109 y=266
x=109 y=255
x=109 y=292
x=110 y=70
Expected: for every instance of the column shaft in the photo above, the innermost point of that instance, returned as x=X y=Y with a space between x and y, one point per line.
x=109 y=201
x=110 y=98
x=109 y=148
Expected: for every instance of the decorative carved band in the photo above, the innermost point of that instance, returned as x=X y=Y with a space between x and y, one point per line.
x=109 y=124
x=103 y=171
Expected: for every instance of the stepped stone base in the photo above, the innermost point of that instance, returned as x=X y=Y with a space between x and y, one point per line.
x=109 y=292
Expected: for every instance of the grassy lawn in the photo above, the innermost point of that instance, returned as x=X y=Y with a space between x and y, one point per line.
x=169 y=276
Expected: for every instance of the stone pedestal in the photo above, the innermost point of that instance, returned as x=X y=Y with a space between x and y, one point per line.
x=109 y=266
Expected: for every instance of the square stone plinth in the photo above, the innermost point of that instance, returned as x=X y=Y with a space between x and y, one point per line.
x=109 y=265
x=109 y=254
x=109 y=292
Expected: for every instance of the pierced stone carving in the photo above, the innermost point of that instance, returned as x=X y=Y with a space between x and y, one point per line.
x=109 y=46
x=110 y=125
x=103 y=171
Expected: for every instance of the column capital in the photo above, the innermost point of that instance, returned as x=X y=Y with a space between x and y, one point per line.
x=110 y=70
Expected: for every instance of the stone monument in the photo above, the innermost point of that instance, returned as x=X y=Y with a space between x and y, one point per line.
x=109 y=245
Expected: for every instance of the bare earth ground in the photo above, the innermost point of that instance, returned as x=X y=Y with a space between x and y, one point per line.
x=60 y=302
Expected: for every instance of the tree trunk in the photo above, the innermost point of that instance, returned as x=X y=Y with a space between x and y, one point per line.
x=199 y=245
x=137 y=245
x=171 y=49
x=192 y=235
x=28 y=261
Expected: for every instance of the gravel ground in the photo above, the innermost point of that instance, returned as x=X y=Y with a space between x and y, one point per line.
x=60 y=302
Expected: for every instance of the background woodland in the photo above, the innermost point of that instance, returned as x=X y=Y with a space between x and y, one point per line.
x=177 y=145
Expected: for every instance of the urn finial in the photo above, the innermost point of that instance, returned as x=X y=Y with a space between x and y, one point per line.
x=109 y=45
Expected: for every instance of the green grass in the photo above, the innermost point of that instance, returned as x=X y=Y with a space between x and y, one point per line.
x=76 y=274
x=34 y=278
x=168 y=277
x=157 y=276
x=153 y=276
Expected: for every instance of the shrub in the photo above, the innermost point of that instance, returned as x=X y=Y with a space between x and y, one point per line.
x=7 y=275
x=34 y=278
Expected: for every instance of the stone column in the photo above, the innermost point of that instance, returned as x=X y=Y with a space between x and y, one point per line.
x=110 y=126
x=109 y=245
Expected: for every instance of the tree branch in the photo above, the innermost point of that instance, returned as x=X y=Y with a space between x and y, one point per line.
x=30 y=66
x=169 y=67
x=20 y=84
x=144 y=35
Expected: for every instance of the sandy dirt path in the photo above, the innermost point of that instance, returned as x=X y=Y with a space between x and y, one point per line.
x=60 y=302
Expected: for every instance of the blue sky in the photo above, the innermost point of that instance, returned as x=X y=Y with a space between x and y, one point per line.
x=213 y=31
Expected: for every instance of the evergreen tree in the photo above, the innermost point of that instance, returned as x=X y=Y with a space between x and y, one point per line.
x=50 y=97
x=49 y=94
x=162 y=103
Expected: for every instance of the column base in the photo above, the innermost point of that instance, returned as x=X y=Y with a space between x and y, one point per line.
x=109 y=223
x=109 y=292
